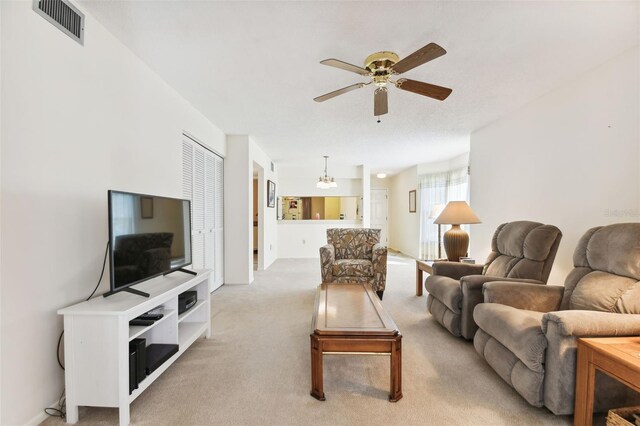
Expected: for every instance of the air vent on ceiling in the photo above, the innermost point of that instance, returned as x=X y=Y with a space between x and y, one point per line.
x=63 y=15
x=273 y=168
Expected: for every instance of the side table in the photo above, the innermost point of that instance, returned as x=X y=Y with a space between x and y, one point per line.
x=618 y=357
x=422 y=266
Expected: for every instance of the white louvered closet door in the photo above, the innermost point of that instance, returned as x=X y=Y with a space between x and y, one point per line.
x=209 y=210
x=187 y=180
x=198 y=206
x=203 y=173
x=219 y=223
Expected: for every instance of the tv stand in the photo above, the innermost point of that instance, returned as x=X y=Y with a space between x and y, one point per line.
x=186 y=271
x=97 y=336
x=128 y=290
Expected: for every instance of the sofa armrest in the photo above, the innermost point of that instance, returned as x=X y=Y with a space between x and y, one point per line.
x=592 y=323
x=379 y=261
x=472 y=296
x=522 y=295
x=327 y=259
x=379 y=253
x=475 y=282
x=456 y=270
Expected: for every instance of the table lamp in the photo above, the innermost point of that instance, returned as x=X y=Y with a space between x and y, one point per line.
x=435 y=212
x=456 y=240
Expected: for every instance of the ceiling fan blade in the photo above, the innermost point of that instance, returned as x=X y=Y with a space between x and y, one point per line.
x=380 y=105
x=428 y=53
x=345 y=66
x=339 y=92
x=431 y=90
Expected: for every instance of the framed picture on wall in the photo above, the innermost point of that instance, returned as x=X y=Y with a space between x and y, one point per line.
x=412 y=201
x=146 y=207
x=271 y=194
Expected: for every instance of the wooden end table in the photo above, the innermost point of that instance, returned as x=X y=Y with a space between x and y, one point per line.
x=348 y=319
x=618 y=357
x=422 y=266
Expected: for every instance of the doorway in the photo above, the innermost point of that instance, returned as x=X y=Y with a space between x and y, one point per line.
x=258 y=189
x=379 y=213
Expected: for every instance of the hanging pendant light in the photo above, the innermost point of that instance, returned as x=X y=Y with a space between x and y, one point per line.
x=326 y=182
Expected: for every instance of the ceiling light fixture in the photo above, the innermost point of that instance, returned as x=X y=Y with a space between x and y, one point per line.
x=381 y=175
x=326 y=182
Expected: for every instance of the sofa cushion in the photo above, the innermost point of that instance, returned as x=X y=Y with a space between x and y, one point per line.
x=522 y=249
x=615 y=249
x=518 y=330
x=602 y=291
x=446 y=290
x=353 y=243
x=352 y=268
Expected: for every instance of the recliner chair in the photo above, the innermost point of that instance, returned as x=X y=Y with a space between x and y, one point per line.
x=521 y=251
x=354 y=255
x=528 y=332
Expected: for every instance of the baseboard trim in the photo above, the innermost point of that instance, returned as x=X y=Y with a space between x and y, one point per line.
x=36 y=420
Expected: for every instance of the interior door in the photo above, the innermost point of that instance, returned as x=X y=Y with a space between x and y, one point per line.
x=379 y=215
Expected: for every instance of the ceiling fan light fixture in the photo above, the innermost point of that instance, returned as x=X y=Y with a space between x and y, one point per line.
x=322 y=185
x=382 y=67
x=324 y=181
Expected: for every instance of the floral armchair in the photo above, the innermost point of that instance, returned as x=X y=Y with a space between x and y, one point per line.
x=354 y=255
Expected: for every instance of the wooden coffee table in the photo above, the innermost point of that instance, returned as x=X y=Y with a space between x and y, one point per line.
x=618 y=357
x=348 y=319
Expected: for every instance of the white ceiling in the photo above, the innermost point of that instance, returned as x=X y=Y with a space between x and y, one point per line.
x=253 y=67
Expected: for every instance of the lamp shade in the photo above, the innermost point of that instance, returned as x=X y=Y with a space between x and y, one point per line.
x=457 y=213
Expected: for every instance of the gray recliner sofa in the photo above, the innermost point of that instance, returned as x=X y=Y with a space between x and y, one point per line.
x=521 y=251
x=528 y=332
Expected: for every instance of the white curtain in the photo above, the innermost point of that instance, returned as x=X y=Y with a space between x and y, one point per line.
x=438 y=189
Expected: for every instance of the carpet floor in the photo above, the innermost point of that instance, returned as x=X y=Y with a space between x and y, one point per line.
x=255 y=369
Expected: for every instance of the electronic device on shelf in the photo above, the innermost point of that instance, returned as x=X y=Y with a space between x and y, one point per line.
x=148 y=316
x=138 y=321
x=137 y=363
x=186 y=301
x=149 y=236
x=157 y=354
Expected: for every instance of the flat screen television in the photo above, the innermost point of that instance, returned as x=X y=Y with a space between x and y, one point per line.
x=148 y=236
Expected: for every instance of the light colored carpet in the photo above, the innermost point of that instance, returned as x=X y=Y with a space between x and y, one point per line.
x=255 y=369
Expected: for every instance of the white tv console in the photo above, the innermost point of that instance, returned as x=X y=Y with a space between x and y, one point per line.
x=97 y=336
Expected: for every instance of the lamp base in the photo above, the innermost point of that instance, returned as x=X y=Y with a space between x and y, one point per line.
x=456 y=243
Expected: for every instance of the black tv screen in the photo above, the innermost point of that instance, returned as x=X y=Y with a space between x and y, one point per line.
x=148 y=236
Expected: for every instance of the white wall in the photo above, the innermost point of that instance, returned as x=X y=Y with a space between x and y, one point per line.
x=1 y=133
x=76 y=121
x=457 y=162
x=306 y=187
x=242 y=152
x=377 y=183
x=303 y=238
x=268 y=237
x=404 y=227
x=569 y=158
x=238 y=220
x=366 y=196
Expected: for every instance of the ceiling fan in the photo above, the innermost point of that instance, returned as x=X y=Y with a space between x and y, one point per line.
x=382 y=67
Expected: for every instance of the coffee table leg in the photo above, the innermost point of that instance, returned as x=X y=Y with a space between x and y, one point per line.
x=317 y=390
x=585 y=388
x=396 y=371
